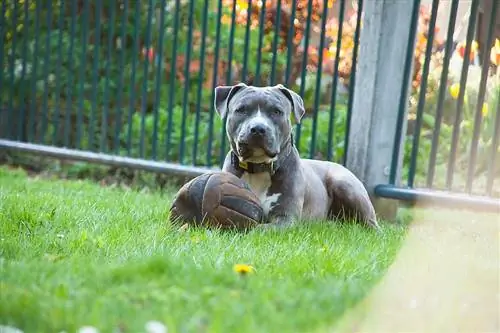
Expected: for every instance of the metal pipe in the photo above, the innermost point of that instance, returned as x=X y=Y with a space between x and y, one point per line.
x=442 y=198
x=105 y=159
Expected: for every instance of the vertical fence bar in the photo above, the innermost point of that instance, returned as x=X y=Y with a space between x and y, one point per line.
x=277 y=32
x=105 y=110
x=69 y=90
x=2 y=48
x=146 y=60
x=318 y=79
x=442 y=90
x=262 y=24
x=494 y=152
x=159 y=64
x=461 y=94
x=247 y=42
x=12 y=63
x=173 y=73
x=403 y=97
x=289 y=43
x=352 y=80
x=185 y=96
x=222 y=153
x=119 y=104
x=58 y=74
x=214 y=83
x=422 y=93
x=83 y=62
x=335 y=80
x=480 y=100
x=201 y=80
x=22 y=99
x=304 y=64
x=32 y=97
x=131 y=107
x=95 y=72
x=45 y=107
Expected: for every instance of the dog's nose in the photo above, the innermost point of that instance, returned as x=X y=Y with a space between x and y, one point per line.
x=258 y=130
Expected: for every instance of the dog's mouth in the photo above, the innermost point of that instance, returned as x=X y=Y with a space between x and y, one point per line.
x=250 y=153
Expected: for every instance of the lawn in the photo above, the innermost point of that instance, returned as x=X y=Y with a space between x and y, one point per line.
x=74 y=253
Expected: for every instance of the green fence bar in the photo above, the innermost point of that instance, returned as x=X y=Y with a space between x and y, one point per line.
x=222 y=152
x=171 y=87
x=131 y=84
x=156 y=105
x=95 y=72
x=57 y=111
x=146 y=60
x=214 y=84
x=69 y=90
x=34 y=73
x=105 y=112
x=442 y=91
x=403 y=98
x=461 y=94
x=201 y=80
x=422 y=93
x=317 y=91
x=119 y=104
x=247 y=43
x=352 y=80
x=45 y=109
x=2 y=36
x=335 y=80
x=289 y=44
x=277 y=30
x=83 y=62
x=11 y=66
x=480 y=100
x=182 y=142
x=304 y=64
x=22 y=92
x=262 y=26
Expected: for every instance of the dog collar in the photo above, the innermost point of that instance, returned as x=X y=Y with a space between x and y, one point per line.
x=251 y=167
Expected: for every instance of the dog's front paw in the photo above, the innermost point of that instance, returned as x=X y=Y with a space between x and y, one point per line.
x=277 y=223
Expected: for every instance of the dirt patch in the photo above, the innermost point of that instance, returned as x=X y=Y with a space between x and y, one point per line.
x=444 y=279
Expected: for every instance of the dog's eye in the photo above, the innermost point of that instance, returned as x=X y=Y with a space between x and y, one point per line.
x=277 y=111
x=240 y=110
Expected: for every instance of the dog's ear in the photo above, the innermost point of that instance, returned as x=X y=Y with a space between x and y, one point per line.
x=223 y=95
x=297 y=102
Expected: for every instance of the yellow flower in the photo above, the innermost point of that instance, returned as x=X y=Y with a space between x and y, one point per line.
x=454 y=90
x=484 y=110
x=243 y=269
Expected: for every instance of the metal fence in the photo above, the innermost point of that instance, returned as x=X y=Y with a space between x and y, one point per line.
x=453 y=118
x=132 y=83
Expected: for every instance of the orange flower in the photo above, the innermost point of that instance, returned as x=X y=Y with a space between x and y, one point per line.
x=473 y=50
x=495 y=53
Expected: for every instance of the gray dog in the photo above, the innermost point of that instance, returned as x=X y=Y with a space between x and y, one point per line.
x=291 y=189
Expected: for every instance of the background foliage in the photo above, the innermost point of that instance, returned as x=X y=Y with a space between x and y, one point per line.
x=137 y=78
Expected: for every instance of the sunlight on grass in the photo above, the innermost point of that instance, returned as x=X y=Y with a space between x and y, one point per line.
x=74 y=253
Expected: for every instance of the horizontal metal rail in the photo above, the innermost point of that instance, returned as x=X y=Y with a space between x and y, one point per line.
x=442 y=198
x=105 y=159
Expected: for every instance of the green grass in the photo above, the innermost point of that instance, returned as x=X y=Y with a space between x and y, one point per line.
x=73 y=253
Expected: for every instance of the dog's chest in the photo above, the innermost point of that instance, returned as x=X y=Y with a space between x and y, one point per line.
x=260 y=184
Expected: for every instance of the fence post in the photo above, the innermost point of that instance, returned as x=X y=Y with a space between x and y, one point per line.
x=379 y=84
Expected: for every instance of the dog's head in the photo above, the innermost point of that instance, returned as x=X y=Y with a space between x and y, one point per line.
x=258 y=119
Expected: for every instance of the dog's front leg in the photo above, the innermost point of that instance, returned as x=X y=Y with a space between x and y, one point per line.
x=284 y=214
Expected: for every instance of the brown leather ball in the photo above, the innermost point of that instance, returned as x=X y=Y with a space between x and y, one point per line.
x=217 y=199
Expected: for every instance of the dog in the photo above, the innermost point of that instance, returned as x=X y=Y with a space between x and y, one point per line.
x=262 y=152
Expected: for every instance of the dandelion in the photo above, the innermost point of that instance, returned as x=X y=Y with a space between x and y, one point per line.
x=154 y=326
x=454 y=90
x=243 y=269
